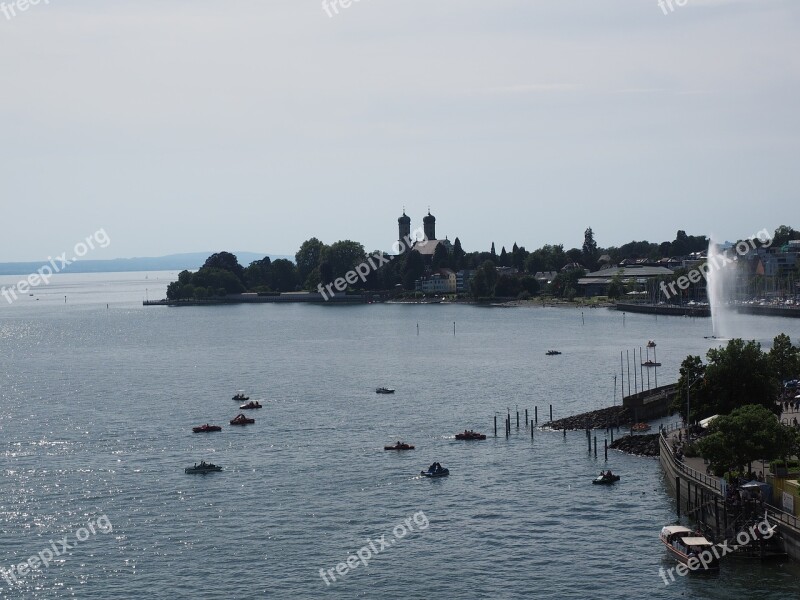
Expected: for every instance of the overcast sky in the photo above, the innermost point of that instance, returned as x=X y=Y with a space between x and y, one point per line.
x=253 y=125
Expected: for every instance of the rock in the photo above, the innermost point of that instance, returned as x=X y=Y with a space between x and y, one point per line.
x=596 y=419
x=640 y=445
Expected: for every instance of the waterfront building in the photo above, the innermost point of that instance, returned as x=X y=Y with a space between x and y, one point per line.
x=635 y=276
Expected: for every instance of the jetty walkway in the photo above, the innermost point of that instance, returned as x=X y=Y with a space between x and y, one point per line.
x=703 y=496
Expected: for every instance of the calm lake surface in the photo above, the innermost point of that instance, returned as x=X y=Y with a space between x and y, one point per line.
x=98 y=405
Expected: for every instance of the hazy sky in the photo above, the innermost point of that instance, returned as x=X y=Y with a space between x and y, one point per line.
x=253 y=125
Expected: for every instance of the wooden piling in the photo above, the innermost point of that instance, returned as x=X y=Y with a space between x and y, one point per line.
x=526 y=415
x=495 y=426
x=605 y=449
x=551 y=413
x=536 y=413
x=531 y=429
x=517 y=419
x=595 y=446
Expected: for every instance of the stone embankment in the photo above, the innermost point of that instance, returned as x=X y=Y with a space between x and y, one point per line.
x=641 y=445
x=596 y=419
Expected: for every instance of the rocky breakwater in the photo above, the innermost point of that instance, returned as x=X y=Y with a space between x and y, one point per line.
x=641 y=445
x=596 y=419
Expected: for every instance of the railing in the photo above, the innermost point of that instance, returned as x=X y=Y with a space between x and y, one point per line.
x=706 y=480
x=774 y=512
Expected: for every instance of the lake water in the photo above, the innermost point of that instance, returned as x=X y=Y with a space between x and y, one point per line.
x=98 y=403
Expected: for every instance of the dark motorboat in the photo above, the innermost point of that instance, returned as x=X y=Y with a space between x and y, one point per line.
x=250 y=405
x=202 y=468
x=605 y=478
x=552 y=353
x=240 y=397
x=686 y=545
x=383 y=390
x=399 y=446
x=470 y=435
x=240 y=419
x=651 y=363
x=435 y=470
x=206 y=428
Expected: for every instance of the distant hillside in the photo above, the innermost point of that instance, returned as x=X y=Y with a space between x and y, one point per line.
x=172 y=262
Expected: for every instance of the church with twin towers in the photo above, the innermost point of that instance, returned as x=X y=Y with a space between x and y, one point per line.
x=429 y=229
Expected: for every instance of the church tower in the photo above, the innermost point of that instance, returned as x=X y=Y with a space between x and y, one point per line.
x=404 y=228
x=429 y=225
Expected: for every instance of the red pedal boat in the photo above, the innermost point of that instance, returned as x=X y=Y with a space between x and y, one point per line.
x=240 y=419
x=206 y=428
x=470 y=435
x=399 y=446
x=250 y=405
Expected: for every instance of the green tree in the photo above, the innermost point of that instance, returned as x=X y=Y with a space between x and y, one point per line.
x=589 y=249
x=565 y=284
x=256 y=275
x=749 y=433
x=508 y=286
x=441 y=257
x=283 y=276
x=343 y=256
x=616 y=289
x=215 y=278
x=413 y=269
x=504 y=262
x=785 y=358
x=227 y=262
x=518 y=256
x=457 y=258
x=691 y=372
x=174 y=290
x=783 y=235
x=546 y=258
x=734 y=376
x=484 y=281
x=308 y=258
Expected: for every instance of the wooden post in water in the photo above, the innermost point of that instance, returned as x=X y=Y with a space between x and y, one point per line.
x=517 y=419
x=612 y=434
x=628 y=354
x=495 y=426
x=589 y=440
x=551 y=413
x=526 y=416
x=536 y=413
x=605 y=444
x=565 y=433
x=595 y=446
x=531 y=429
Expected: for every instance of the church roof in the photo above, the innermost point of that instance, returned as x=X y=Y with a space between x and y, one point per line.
x=427 y=248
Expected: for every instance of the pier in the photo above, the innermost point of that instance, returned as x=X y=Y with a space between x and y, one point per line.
x=703 y=497
x=252 y=298
x=664 y=309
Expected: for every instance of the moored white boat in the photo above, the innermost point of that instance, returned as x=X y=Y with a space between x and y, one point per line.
x=685 y=545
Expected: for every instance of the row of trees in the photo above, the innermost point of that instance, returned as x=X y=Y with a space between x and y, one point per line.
x=319 y=263
x=736 y=375
x=743 y=385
